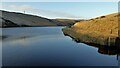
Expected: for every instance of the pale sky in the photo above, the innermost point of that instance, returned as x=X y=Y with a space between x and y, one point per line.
x=71 y=10
x=60 y=0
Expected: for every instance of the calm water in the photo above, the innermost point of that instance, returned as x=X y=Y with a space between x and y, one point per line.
x=47 y=46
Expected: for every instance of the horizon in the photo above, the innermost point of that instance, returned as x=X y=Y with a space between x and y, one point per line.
x=54 y=10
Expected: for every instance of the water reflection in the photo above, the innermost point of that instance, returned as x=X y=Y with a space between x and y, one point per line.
x=118 y=58
x=105 y=49
x=51 y=48
x=101 y=49
x=15 y=38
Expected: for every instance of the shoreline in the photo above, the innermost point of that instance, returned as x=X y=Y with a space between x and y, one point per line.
x=86 y=38
x=31 y=26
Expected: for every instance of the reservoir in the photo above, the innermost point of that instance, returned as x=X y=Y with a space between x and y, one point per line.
x=48 y=46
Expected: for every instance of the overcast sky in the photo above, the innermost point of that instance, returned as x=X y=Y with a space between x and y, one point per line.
x=74 y=10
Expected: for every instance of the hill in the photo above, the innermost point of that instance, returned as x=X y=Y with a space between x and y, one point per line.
x=100 y=30
x=67 y=22
x=104 y=25
x=10 y=19
x=14 y=19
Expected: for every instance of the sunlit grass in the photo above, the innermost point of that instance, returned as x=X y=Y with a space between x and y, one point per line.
x=98 y=30
x=104 y=25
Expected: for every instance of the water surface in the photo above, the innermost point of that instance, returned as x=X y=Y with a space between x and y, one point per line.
x=47 y=46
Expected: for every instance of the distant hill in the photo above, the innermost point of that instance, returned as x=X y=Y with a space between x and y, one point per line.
x=14 y=19
x=67 y=22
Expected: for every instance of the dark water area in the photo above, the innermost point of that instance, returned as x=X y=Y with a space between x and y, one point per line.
x=103 y=49
x=48 y=46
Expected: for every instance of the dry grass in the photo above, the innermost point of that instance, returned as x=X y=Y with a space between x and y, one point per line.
x=106 y=26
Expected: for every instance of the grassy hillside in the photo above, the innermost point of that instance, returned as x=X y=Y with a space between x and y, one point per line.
x=104 y=25
x=25 y=19
x=14 y=19
x=102 y=30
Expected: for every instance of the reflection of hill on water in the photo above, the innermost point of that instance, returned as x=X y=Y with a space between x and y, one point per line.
x=104 y=49
x=8 y=38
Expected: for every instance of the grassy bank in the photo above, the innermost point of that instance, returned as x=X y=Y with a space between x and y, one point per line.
x=88 y=38
x=102 y=30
